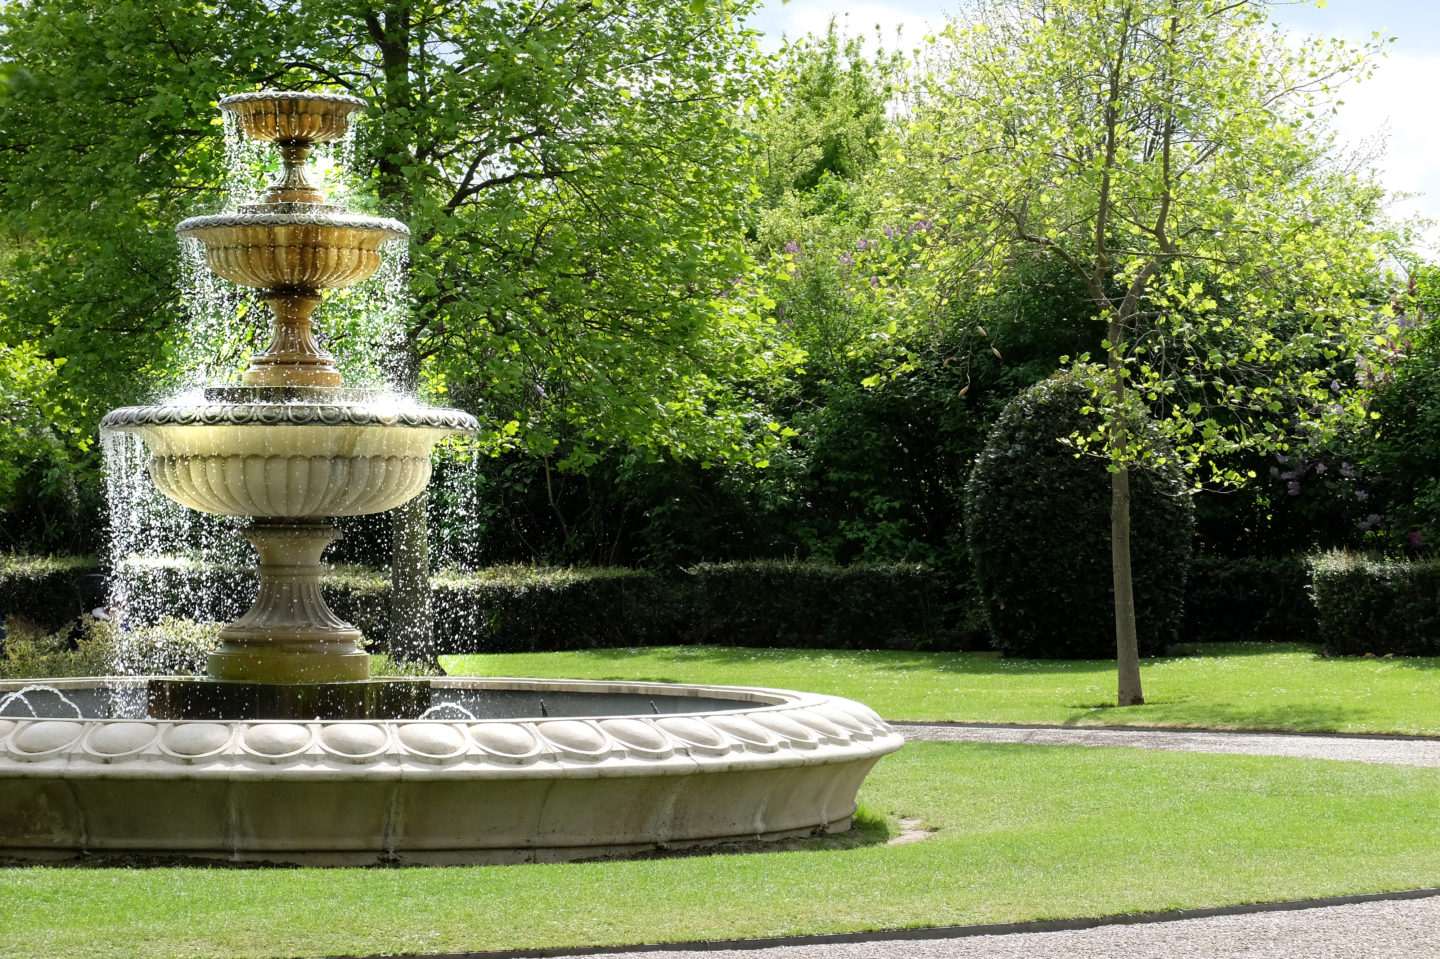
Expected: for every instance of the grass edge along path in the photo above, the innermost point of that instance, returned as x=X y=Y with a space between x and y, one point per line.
x=1258 y=686
x=1023 y=832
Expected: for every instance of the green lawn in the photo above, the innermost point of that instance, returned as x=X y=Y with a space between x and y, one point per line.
x=1023 y=833
x=1225 y=686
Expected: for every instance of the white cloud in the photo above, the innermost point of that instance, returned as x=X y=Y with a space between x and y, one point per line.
x=1399 y=102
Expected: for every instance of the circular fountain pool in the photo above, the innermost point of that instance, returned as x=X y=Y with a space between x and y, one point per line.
x=500 y=770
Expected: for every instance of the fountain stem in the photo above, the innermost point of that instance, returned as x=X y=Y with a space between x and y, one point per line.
x=294 y=185
x=293 y=358
x=290 y=635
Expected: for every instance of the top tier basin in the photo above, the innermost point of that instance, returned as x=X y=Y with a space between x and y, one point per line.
x=286 y=117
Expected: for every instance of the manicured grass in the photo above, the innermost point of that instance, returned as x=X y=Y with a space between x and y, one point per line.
x=1024 y=832
x=1223 y=686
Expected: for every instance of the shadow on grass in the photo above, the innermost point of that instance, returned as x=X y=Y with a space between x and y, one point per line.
x=1283 y=718
x=1188 y=650
x=867 y=829
x=971 y=663
x=1228 y=650
x=1415 y=662
x=884 y=660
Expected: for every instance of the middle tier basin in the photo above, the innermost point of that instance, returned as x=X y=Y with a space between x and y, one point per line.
x=289 y=460
x=316 y=251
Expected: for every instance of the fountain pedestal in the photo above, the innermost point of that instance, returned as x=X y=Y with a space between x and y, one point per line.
x=290 y=635
x=294 y=358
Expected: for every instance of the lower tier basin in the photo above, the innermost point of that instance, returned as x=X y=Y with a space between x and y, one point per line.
x=491 y=771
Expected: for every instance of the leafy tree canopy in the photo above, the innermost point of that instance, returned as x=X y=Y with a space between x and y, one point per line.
x=573 y=173
x=1174 y=154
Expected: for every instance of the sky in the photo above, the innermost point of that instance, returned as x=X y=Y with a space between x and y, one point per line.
x=1398 y=102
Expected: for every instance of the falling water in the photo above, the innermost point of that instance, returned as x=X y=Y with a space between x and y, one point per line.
x=364 y=325
x=166 y=560
x=336 y=161
x=12 y=703
x=249 y=164
x=455 y=490
x=447 y=711
x=226 y=323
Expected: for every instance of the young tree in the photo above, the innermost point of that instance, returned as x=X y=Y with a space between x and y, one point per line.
x=1172 y=153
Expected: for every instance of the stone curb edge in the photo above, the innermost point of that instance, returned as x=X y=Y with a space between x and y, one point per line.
x=1184 y=730
x=940 y=932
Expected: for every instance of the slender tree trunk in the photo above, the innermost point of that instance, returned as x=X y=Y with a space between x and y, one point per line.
x=411 y=613
x=1127 y=644
x=412 y=622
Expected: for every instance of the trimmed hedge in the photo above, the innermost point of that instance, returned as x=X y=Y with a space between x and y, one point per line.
x=765 y=604
x=1037 y=518
x=770 y=603
x=525 y=609
x=45 y=590
x=816 y=605
x=1250 y=598
x=1370 y=605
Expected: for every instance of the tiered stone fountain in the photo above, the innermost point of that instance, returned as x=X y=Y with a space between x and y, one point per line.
x=288 y=750
x=292 y=446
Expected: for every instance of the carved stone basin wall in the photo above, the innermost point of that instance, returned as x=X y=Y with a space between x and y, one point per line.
x=293 y=250
x=281 y=116
x=742 y=764
x=290 y=466
x=289 y=459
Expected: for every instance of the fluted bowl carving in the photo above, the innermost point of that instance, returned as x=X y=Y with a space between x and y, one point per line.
x=282 y=116
x=289 y=460
x=293 y=250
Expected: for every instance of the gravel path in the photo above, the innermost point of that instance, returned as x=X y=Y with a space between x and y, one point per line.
x=1405 y=929
x=1385 y=929
x=1368 y=749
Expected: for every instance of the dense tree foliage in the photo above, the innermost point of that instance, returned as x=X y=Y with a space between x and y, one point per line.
x=1399 y=454
x=572 y=173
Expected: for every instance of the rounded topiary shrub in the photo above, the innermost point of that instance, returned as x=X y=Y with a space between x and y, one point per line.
x=1037 y=520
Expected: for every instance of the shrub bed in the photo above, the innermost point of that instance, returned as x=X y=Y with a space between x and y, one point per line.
x=97 y=648
x=1370 y=605
x=1250 y=598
